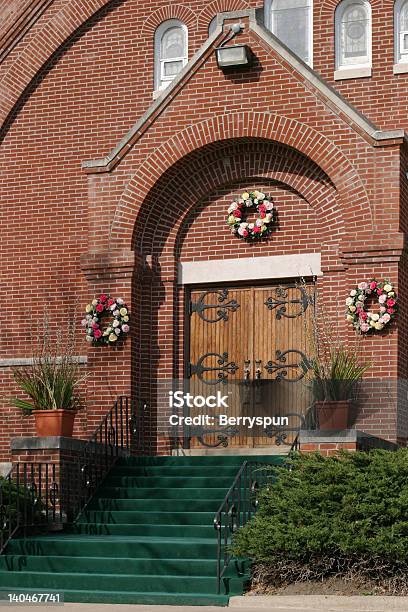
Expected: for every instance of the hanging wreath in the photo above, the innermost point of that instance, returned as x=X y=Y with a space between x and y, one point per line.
x=364 y=320
x=237 y=214
x=117 y=327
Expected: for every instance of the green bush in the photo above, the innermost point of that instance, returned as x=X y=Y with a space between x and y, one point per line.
x=332 y=515
x=16 y=505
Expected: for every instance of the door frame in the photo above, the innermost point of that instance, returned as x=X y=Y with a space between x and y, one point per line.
x=188 y=289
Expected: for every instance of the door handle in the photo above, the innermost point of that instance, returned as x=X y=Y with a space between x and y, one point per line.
x=258 y=386
x=247 y=390
x=247 y=370
x=258 y=371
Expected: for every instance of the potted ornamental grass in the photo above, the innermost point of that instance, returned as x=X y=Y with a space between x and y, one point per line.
x=336 y=369
x=335 y=377
x=50 y=383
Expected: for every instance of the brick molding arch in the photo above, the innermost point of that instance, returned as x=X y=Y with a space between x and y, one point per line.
x=329 y=6
x=244 y=125
x=219 y=6
x=43 y=45
x=275 y=164
x=170 y=11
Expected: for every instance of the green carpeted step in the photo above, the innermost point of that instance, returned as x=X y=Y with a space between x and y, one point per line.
x=116 y=546
x=147 y=537
x=106 y=565
x=59 y=581
x=144 y=504
x=203 y=460
x=154 y=518
x=176 y=470
x=163 y=493
x=145 y=598
x=165 y=531
x=164 y=482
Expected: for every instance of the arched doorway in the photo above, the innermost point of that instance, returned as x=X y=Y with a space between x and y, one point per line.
x=180 y=228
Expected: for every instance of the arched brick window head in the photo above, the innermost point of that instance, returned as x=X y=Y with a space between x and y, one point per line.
x=292 y=22
x=401 y=31
x=353 y=34
x=170 y=51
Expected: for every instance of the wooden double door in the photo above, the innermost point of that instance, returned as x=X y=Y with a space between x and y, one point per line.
x=249 y=343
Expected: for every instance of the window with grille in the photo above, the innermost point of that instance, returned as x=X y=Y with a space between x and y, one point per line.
x=171 y=51
x=291 y=22
x=353 y=34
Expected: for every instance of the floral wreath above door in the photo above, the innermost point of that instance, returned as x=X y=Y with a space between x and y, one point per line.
x=238 y=210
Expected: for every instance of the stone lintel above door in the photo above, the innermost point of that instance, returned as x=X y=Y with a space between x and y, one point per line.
x=250 y=268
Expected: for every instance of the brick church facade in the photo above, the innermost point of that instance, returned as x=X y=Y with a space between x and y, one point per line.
x=118 y=169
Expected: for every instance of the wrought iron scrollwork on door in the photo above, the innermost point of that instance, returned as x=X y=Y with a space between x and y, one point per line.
x=222 y=438
x=282 y=365
x=283 y=434
x=222 y=308
x=281 y=301
x=223 y=368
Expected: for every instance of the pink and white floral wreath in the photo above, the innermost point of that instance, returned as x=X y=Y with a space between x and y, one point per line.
x=92 y=322
x=237 y=210
x=364 y=320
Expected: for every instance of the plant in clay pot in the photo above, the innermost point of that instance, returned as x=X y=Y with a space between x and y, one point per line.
x=51 y=383
x=336 y=370
x=334 y=382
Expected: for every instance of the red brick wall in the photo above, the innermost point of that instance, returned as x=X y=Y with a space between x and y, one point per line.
x=383 y=97
x=67 y=236
x=327 y=449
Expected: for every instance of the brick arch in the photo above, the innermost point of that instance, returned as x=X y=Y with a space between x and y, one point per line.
x=243 y=125
x=329 y=6
x=219 y=6
x=35 y=55
x=258 y=162
x=170 y=11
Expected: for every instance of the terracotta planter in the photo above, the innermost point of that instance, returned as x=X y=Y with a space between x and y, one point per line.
x=54 y=422
x=333 y=416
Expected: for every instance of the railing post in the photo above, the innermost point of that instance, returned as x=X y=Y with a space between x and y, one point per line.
x=127 y=428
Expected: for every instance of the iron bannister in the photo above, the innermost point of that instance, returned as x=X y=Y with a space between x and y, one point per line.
x=37 y=495
x=238 y=507
x=29 y=496
x=120 y=433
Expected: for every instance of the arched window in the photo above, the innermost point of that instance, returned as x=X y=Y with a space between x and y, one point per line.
x=171 y=51
x=291 y=22
x=401 y=31
x=353 y=34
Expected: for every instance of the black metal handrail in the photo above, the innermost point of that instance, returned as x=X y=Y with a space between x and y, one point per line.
x=39 y=494
x=240 y=502
x=309 y=422
x=120 y=432
x=29 y=496
x=237 y=508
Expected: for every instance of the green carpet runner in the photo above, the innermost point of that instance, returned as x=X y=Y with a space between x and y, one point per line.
x=147 y=537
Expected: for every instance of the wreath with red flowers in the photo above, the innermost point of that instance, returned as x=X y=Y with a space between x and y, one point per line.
x=237 y=210
x=118 y=326
x=364 y=320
